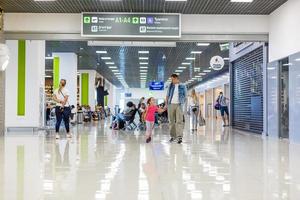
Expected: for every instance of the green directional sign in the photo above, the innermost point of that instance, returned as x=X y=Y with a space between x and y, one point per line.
x=87 y=20
x=135 y=25
x=135 y=20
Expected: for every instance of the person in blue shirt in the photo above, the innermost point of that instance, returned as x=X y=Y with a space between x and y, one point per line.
x=176 y=99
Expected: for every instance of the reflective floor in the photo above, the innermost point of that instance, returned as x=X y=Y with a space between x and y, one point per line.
x=214 y=163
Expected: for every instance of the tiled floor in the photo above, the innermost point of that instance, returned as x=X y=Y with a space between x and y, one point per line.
x=98 y=163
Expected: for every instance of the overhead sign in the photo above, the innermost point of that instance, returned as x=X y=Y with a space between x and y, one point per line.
x=156 y=85
x=217 y=63
x=143 y=25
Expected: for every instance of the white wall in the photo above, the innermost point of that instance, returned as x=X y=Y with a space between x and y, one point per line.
x=68 y=71
x=284 y=30
x=35 y=70
x=137 y=93
x=191 y=24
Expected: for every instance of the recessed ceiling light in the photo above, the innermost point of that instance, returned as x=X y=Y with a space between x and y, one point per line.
x=202 y=74
x=143 y=52
x=196 y=52
x=242 y=1
x=178 y=70
x=49 y=58
x=105 y=58
x=143 y=70
x=112 y=67
x=191 y=58
x=186 y=63
x=225 y=58
x=298 y=60
x=110 y=63
x=143 y=58
x=101 y=52
x=182 y=67
x=143 y=67
x=198 y=76
x=203 y=44
x=143 y=63
x=115 y=70
x=207 y=70
x=117 y=73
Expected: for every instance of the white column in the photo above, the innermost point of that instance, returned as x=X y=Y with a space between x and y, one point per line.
x=112 y=97
x=68 y=71
x=205 y=105
x=92 y=88
x=34 y=85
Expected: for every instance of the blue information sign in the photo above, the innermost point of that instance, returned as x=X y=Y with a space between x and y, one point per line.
x=156 y=85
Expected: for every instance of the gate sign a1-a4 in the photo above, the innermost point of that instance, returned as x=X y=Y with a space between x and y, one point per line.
x=142 y=25
x=156 y=85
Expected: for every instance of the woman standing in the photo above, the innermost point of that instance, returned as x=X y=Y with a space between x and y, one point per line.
x=194 y=109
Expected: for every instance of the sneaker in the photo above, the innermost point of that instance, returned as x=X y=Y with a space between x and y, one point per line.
x=57 y=136
x=148 y=140
x=171 y=140
x=69 y=135
x=179 y=141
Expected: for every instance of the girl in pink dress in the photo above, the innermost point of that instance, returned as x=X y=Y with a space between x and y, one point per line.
x=150 y=117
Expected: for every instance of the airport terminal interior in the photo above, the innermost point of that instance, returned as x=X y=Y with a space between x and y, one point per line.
x=149 y=99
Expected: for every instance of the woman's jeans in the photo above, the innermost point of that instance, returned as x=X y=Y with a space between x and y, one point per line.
x=194 y=115
x=62 y=115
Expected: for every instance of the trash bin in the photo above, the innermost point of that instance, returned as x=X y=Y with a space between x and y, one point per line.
x=79 y=117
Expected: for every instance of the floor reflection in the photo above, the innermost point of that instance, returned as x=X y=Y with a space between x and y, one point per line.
x=98 y=163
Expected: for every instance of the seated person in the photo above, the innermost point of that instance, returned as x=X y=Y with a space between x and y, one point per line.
x=142 y=112
x=121 y=116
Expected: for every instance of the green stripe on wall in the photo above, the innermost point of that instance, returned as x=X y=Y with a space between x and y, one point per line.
x=84 y=89
x=21 y=77
x=105 y=100
x=55 y=73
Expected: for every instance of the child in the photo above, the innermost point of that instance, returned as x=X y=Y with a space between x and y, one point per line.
x=150 y=117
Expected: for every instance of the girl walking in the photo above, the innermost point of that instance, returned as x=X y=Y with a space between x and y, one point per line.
x=150 y=117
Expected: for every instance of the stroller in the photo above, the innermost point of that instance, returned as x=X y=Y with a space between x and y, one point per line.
x=129 y=120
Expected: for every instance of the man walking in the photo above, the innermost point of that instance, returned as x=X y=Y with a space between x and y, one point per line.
x=222 y=100
x=176 y=99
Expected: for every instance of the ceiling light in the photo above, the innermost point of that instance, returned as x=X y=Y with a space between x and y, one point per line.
x=225 y=58
x=175 y=0
x=207 y=71
x=143 y=58
x=203 y=44
x=143 y=70
x=191 y=58
x=115 y=70
x=178 y=70
x=112 y=67
x=144 y=63
x=196 y=52
x=198 y=76
x=105 y=58
x=110 y=63
x=182 y=67
x=143 y=52
x=298 y=60
x=242 y=1
x=117 y=73
x=49 y=58
x=287 y=64
x=101 y=52
x=202 y=74
x=186 y=63
x=143 y=67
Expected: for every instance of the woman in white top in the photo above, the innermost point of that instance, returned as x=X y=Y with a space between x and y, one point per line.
x=194 y=109
x=62 y=109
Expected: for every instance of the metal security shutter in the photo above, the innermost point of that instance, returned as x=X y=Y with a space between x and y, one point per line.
x=247 y=87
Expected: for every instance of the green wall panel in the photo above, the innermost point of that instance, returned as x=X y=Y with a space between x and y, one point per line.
x=55 y=73
x=21 y=77
x=84 y=89
x=105 y=100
